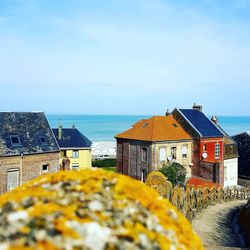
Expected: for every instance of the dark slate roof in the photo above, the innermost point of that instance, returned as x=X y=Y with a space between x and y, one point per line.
x=72 y=138
x=230 y=145
x=201 y=123
x=29 y=127
x=243 y=142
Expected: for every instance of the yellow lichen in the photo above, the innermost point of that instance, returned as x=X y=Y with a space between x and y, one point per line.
x=126 y=213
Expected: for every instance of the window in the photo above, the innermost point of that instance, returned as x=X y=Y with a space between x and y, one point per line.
x=42 y=140
x=75 y=154
x=162 y=154
x=45 y=169
x=204 y=147
x=217 y=151
x=144 y=154
x=12 y=179
x=173 y=153
x=143 y=175
x=75 y=166
x=184 y=150
x=15 y=141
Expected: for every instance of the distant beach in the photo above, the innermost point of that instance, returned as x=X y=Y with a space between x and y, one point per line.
x=104 y=127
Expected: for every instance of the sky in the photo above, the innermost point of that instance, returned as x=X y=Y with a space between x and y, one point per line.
x=124 y=56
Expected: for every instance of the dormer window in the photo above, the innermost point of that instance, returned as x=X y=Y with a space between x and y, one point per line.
x=15 y=140
x=42 y=140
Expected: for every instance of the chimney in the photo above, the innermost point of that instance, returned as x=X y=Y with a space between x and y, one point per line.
x=60 y=132
x=168 y=113
x=197 y=107
x=73 y=126
x=214 y=119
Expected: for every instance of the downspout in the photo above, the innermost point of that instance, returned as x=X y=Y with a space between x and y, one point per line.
x=21 y=169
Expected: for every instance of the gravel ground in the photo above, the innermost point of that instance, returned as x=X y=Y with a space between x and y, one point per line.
x=218 y=227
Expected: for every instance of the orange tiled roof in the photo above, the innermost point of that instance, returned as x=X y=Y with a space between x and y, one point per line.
x=156 y=128
x=197 y=181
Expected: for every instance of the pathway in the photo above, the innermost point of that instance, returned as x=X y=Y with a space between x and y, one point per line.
x=218 y=227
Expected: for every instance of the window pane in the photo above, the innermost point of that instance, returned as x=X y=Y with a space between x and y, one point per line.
x=162 y=154
x=144 y=155
x=12 y=179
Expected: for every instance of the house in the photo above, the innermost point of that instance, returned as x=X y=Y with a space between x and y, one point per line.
x=230 y=156
x=27 y=148
x=103 y=150
x=243 y=143
x=208 y=144
x=150 y=144
x=75 y=145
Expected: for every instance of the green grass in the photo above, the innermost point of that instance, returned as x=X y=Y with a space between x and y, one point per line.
x=111 y=169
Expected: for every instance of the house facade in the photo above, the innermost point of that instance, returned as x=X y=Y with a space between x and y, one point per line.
x=27 y=148
x=74 y=145
x=230 y=156
x=150 y=144
x=208 y=144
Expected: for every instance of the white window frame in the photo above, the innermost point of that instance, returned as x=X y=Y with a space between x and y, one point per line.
x=47 y=170
x=75 y=166
x=184 y=151
x=75 y=153
x=217 y=151
x=162 y=154
x=18 y=181
x=174 y=153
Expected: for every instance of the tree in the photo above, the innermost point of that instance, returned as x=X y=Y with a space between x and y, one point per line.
x=175 y=173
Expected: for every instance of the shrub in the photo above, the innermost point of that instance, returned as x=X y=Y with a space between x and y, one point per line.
x=157 y=181
x=104 y=163
x=175 y=173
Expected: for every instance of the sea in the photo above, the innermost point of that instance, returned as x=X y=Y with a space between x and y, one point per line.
x=104 y=127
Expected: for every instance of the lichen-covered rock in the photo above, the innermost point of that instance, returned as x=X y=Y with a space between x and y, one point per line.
x=91 y=209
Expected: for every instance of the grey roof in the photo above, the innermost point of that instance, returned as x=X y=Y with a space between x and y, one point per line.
x=243 y=142
x=72 y=138
x=33 y=130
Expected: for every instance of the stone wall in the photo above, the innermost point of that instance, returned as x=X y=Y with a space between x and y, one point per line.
x=29 y=166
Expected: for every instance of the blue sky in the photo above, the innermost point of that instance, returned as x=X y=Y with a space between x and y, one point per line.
x=124 y=56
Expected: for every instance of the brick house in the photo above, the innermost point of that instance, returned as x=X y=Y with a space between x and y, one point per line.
x=150 y=143
x=27 y=148
x=208 y=143
x=74 y=145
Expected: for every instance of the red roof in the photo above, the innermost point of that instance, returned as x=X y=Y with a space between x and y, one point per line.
x=197 y=181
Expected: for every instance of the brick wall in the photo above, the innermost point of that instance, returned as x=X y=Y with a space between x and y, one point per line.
x=128 y=158
x=31 y=167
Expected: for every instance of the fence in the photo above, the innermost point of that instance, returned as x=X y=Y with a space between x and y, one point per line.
x=190 y=199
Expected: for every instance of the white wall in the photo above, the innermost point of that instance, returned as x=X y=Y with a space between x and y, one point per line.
x=230 y=172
